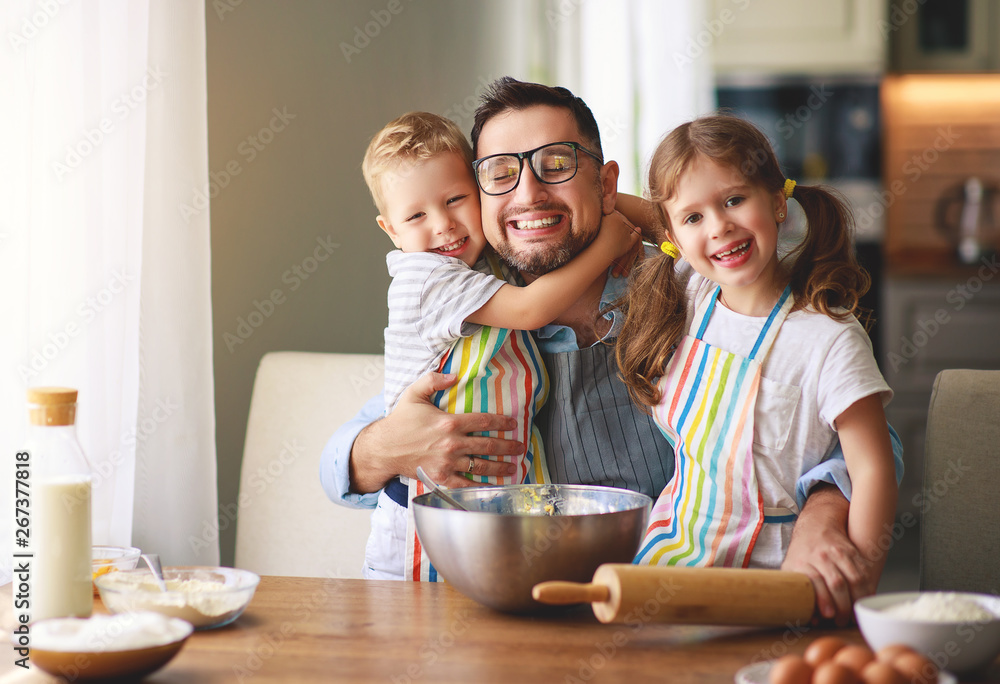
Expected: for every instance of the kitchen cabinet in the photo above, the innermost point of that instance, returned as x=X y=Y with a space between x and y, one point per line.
x=931 y=323
x=945 y=35
x=785 y=37
x=939 y=132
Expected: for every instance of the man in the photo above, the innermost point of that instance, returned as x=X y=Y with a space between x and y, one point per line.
x=593 y=433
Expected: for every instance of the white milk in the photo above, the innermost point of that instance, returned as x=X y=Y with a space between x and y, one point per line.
x=60 y=530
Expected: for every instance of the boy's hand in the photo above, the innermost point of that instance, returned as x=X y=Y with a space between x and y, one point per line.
x=643 y=214
x=618 y=236
x=623 y=242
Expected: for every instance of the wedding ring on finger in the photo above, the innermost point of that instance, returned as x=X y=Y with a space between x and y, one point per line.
x=472 y=462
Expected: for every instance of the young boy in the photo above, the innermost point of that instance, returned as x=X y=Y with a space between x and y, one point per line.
x=452 y=310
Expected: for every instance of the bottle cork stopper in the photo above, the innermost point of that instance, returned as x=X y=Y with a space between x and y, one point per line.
x=52 y=405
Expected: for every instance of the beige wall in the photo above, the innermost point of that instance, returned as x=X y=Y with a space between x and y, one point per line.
x=297 y=202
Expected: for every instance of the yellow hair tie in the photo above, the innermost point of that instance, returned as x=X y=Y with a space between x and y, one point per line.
x=789 y=188
x=670 y=249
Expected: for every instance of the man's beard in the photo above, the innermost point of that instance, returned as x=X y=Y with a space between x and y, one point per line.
x=540 y=262
x=548 y=257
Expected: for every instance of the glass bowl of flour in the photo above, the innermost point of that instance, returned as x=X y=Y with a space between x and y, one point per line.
x=958 y=631
x=207 y=597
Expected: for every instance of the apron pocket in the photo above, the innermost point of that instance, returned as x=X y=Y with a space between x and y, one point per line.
x=773 y=414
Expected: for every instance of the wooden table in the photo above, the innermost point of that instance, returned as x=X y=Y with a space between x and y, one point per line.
x=304 y=630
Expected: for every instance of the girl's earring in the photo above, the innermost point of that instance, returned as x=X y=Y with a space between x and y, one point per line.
x=781 y=216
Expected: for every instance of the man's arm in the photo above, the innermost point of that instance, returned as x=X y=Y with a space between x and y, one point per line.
x=834 y=471
x=334 y=463
x=821 y=549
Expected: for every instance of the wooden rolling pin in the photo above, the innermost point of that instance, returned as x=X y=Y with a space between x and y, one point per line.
x=622 y=592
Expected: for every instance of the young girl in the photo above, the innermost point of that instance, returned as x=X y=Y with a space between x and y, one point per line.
x=769 y=365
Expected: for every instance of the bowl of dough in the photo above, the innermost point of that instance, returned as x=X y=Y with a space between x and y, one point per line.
x=957 y=631
x=207 y=597
x=512 y=537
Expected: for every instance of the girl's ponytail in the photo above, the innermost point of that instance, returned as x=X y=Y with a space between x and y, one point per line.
x=654 y=322
x=824 y=272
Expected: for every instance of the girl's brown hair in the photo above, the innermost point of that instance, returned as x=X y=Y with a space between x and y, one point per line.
x=822 y=270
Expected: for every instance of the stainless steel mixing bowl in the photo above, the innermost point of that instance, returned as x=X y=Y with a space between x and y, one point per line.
x=515 y=536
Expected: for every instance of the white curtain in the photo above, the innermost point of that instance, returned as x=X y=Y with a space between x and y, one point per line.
x=640 y=65
x=105 y=275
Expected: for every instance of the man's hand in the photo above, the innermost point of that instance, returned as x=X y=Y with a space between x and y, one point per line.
x=821 y=549
x=419 y=433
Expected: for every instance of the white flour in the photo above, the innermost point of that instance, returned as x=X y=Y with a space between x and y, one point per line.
x=200 y=602
x=941 y=607
x=107 y=633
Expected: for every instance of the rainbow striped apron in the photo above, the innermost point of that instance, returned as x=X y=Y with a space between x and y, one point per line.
x=711 y=511
x=499 y=371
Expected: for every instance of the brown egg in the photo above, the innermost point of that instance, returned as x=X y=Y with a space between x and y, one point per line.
x=878 y=672
x=791 y=669
x=916 y=668
x=823 y=650
x=854 y=657
x=834 y=673
x=889 y=653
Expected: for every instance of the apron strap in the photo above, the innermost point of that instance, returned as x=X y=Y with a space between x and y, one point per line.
x=704 y=313
x=770 y=330
x=767 y=334
x=779 y=515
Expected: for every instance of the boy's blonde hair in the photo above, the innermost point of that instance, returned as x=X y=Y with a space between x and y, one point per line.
x=415 y=136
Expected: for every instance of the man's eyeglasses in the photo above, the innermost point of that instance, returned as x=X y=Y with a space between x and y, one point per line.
x=554 y=163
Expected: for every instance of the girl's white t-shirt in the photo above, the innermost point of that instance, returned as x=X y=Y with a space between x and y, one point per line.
x=816 y=369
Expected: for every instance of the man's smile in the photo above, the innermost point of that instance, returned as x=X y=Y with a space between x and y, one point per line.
x=535 y=224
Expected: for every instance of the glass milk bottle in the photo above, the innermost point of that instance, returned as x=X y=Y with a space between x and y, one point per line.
x=61 y=482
